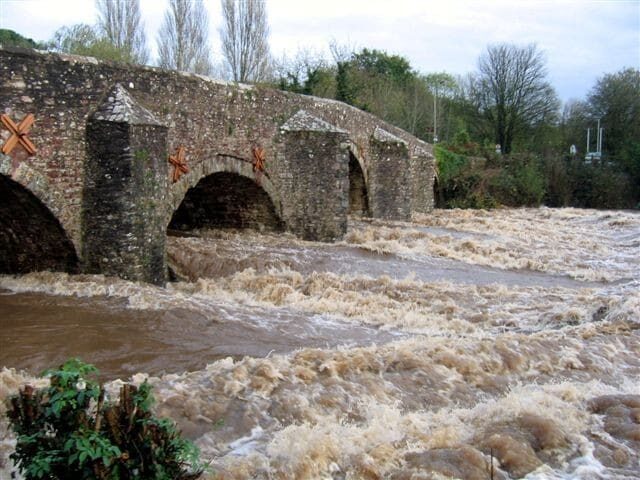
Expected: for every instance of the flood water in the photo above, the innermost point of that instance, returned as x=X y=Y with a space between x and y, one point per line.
x=422 y=349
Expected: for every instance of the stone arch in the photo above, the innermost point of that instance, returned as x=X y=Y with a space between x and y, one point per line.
x=227 y=176
x=32 y=180
x=359 y=155
x=358 y=184
x=31 y=237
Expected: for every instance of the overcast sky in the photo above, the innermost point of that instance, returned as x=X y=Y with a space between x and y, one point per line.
x=581 y=39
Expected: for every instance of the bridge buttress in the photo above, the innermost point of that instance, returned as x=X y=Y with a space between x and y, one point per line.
x=389 y=177
x=314 y=185
x=123 y=230
x=422 y=174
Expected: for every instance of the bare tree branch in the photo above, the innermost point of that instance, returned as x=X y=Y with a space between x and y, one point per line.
x=183 y=40
x=244 y=35
x=119 y=21
x=511 y=91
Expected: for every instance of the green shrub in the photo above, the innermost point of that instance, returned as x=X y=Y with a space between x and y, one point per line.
x=449 y=164
x=465 y=182
x=558 y=182
x=519 y=184
x=452 y=185
x=70 y=430
x=601 y=186
x=463 y=145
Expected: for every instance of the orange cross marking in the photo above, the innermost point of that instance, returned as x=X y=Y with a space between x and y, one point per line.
x=18 y=134
x=258 y=159
x=179 y=164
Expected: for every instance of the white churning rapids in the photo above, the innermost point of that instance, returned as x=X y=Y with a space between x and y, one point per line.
x=409 y=350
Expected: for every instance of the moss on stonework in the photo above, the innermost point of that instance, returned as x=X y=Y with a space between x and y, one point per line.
x=141 y=155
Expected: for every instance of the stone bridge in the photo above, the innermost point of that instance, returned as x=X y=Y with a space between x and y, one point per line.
x=124 y=153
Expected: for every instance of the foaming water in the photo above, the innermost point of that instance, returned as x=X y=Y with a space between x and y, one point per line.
x=463 y=343
x=587 y=245
x=236 y=251
x=40 y=330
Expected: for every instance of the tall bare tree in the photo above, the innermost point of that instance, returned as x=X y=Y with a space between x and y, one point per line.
x=511 y=92
x=120 y=23
x=183 y=40
x=244 y=35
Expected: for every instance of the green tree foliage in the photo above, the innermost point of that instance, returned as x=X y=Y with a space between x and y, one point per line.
x=9 y=38
x=599 y=186
x=387 y=86
x=70 y=430
x=615 y=100
x=509 y=101
x=443 y=88
x=467 y=182
x=574 y=121
x=375 y=81
x=369 y=73
x=372 y=80
x=119 y=35
x=377 y=63
x=320 y=81
x=572 y=182
x=83 y=39
x=519 y=182
x=460 y=181
x=306 y=73
x=413 y=112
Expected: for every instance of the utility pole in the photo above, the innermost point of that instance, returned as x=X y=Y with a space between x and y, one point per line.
x=435 y=115
x=588 y=142
x=600 y=130
x=597 y=155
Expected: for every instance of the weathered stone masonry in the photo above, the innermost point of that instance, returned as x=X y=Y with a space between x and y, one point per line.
x=307 y=142
x=125 y=183
x=315 y=157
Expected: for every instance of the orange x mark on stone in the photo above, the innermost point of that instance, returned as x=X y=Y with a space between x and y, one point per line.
x=258 y=159
x=179 y=164
x=18 y=134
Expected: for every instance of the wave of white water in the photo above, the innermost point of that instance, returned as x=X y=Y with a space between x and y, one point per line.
x=540 y=379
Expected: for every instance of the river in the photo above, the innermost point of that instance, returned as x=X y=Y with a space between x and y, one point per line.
x=424 y=349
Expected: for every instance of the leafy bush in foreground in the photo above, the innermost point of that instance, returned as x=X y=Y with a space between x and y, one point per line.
x=70 y=430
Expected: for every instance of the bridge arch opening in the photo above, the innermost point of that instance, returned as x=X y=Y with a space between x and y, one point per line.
x=226 y=200
x=358 y=195
x=31 y=237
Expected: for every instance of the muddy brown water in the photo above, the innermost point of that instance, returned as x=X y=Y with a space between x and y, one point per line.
x=40 y=331
x=409 y=350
